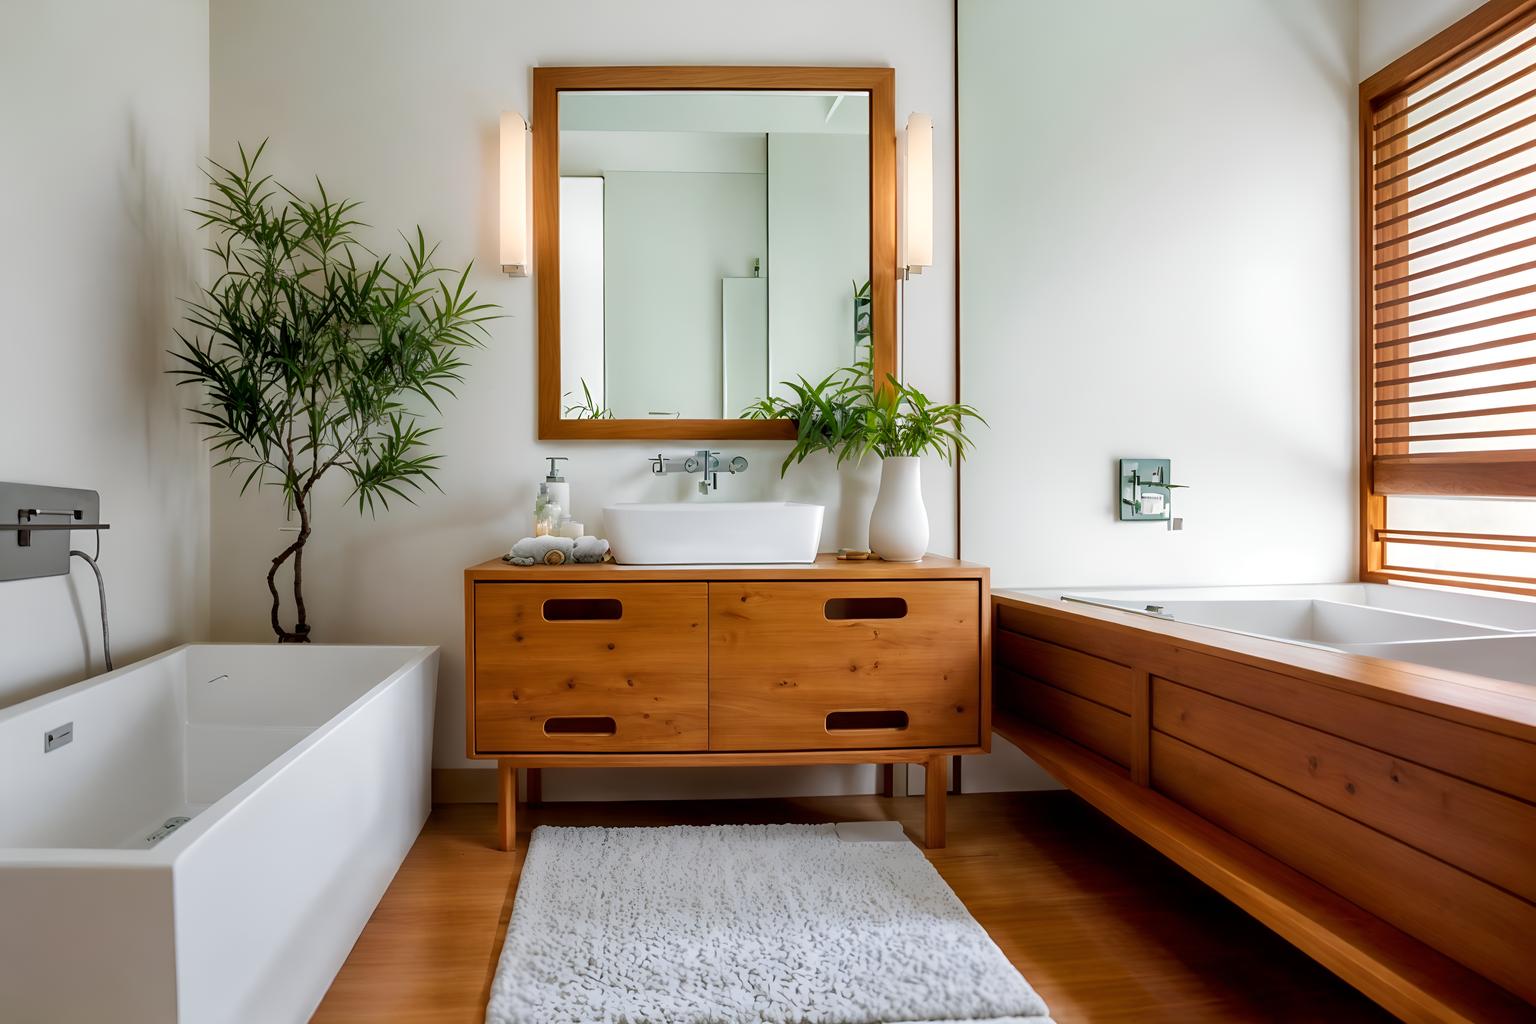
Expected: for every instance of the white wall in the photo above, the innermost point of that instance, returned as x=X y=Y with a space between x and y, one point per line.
x=1390 y=28
x=105 y=108
x=818 y=249
x=1158 y=236
x=395 y=102
x=668 y=241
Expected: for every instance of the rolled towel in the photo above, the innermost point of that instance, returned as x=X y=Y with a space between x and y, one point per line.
x=591 y=549
x=549 y=550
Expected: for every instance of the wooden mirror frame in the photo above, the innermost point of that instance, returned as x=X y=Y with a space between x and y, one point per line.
x=549 y=82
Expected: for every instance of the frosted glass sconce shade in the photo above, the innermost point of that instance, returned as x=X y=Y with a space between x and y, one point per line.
x=514 y=195
x=917 y=212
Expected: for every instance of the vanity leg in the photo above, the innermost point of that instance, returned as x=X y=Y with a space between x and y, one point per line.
x=885 y=784
x=935 y=797
x=506 y=804
x=535 y=785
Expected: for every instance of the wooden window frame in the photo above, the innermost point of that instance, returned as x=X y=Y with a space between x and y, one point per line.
x=1489 y=474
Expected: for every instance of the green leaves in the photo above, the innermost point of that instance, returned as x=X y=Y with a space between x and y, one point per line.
x=309 y=349
x=848 y=415
x=843 y=414
x=588 y=408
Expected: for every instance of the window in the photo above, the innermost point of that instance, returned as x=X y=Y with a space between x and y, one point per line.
x=1448 y=308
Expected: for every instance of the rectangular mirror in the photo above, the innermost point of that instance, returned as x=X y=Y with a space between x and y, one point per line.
x=702 y=234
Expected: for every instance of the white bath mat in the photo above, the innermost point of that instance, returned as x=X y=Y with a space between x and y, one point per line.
x=769 y=924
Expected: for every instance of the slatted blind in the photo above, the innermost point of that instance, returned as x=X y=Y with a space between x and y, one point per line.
x=1448 y=307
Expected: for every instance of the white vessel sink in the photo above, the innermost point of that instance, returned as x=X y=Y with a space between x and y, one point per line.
x=714 y=532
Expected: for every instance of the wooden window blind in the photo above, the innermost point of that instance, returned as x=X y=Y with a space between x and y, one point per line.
x=1448 y=308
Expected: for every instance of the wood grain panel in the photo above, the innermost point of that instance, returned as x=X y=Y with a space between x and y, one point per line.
x=1477 y=477
x=1499 y=762
x=1096 y=679
x=648 y=670
x=1485 y=833
x=778 y=665
x=1082 y=633
x=1141 y=730
x=1476 y=924
x=1401 y=973
x=1102 y=730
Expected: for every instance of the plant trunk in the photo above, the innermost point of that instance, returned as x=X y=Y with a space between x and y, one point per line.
x=300 y=632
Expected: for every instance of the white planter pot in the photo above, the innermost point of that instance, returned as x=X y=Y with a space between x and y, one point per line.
x=898 y=529
x=858 y=483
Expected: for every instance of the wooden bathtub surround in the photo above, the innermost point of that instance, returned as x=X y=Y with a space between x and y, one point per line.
x=605 y=665
x=1381 y=816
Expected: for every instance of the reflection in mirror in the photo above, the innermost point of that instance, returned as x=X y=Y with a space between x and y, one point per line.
x=711 y=242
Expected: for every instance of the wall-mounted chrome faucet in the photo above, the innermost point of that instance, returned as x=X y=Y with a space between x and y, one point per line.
x=1146 y=492
x=702 y=461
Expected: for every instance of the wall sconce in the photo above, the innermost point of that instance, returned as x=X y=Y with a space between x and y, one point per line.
x=917 y=212
x=514 y=195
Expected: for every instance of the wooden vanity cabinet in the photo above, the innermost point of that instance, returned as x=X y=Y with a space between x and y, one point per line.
x=626 y=666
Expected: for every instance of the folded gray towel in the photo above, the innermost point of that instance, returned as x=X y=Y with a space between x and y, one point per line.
x=557 y=550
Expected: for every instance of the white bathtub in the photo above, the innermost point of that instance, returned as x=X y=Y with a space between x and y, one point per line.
x=305 y=773
x=1487 y=636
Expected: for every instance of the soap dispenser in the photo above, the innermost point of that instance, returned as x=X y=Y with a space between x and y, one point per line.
x=559 y=490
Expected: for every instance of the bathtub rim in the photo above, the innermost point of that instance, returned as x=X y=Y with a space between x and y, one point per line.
x=1497 y=705
x=1103 y=600
x=1116 y=599
x=163 y=855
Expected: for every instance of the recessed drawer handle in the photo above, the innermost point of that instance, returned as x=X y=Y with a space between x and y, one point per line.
x=580 y=725
x=866 y=608
x=858 y=721
x=582 y=609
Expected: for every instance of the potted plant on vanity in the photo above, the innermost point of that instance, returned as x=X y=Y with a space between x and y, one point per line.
x=314 y=354
x=846 y=414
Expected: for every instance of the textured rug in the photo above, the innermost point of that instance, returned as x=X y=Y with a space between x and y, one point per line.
x=769 y=924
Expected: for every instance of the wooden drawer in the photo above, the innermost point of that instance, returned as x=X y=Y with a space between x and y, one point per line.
x=859 y=665
x=582 y=667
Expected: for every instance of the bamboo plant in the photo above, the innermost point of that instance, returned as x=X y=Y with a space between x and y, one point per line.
x=315 y=355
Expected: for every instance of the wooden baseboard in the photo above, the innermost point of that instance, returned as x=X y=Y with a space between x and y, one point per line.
x=464 y=785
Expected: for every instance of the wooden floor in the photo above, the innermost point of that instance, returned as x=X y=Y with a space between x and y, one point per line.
x=1103 y=927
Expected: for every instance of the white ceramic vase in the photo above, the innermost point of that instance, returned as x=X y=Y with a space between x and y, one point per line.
x=898 y=527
